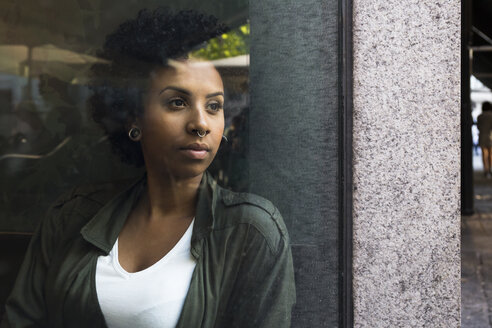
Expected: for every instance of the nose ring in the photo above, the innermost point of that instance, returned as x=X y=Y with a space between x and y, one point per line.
x=201 y=133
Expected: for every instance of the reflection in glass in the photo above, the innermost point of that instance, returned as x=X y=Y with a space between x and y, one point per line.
x=156 y=91
x=48 y=141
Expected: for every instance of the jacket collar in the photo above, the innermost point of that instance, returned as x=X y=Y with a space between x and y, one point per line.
x=208 y=195
x=105 y=226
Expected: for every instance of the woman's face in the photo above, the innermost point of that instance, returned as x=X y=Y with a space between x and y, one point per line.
x=184 y=99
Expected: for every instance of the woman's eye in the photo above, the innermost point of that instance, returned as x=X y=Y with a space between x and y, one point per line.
x=177 y=102
x=215 y=106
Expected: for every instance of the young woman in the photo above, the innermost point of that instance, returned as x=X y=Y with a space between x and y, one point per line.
x=173 y=249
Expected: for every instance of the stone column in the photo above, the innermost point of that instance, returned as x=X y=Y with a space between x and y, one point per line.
x=406 y=163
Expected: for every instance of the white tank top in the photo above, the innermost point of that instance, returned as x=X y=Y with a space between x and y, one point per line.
x=153 y=297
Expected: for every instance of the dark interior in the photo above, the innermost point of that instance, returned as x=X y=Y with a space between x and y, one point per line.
x=12 y=249
x=481 y=35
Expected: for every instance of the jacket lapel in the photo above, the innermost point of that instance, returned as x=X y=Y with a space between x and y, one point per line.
x=103 y=229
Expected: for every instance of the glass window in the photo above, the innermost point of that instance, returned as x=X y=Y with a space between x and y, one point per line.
x=279 y=63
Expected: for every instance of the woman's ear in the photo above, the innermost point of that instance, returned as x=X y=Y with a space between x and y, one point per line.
x=134 y=132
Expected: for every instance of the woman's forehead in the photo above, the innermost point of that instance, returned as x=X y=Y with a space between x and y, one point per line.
x=188 y=72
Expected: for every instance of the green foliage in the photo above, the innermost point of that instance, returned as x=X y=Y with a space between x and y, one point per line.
x=231 y=44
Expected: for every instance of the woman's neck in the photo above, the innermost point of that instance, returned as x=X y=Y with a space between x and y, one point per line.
x=170 y=198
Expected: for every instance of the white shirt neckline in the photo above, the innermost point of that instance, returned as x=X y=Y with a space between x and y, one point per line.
x=183 y=245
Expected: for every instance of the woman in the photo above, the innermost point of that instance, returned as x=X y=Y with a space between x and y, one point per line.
x=484 y=125
x=174 y=249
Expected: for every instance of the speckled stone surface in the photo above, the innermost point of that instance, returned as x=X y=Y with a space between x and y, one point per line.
x=406 y=163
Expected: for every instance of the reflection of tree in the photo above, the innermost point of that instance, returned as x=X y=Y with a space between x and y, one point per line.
x=231 y=44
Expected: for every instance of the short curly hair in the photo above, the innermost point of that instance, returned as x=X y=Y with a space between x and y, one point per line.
x=137 y=47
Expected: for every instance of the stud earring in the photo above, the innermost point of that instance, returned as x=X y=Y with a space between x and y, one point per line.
x=134 y=134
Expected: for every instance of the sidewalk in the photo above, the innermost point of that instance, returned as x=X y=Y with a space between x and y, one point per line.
x=476 y=259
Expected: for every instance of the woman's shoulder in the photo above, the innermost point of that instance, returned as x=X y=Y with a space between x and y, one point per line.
x=485 y=116
x=91 y=195
x=247 y=209
x=74 y=208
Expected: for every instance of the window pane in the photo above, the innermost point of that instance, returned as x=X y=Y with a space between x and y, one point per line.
x=279 y=66
x=294 y=141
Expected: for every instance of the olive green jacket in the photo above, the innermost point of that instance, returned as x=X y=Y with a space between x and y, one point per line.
x=243 y=277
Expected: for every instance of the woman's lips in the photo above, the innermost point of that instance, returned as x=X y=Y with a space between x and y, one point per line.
x=195 y=151
x=195 y=154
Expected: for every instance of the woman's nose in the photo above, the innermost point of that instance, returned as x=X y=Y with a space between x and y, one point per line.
x=197 y=123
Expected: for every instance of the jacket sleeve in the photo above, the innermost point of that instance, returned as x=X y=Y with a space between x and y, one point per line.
x=264 y=292
x=26 y=305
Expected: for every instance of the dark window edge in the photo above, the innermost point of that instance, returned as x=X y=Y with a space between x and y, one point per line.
x=345 y=153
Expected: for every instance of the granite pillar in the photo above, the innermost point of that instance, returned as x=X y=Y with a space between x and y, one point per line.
x=406 y=139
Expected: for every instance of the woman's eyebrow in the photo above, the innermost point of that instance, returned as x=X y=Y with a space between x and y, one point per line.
x=210 y=95
x=186 y=92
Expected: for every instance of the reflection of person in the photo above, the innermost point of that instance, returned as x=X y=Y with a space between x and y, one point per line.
x=64 y=118
x=484 y=125
x=173 y=249
x=237 y=164
x=29 y=129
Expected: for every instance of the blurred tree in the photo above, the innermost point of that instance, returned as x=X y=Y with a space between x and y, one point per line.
x=231 y=44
